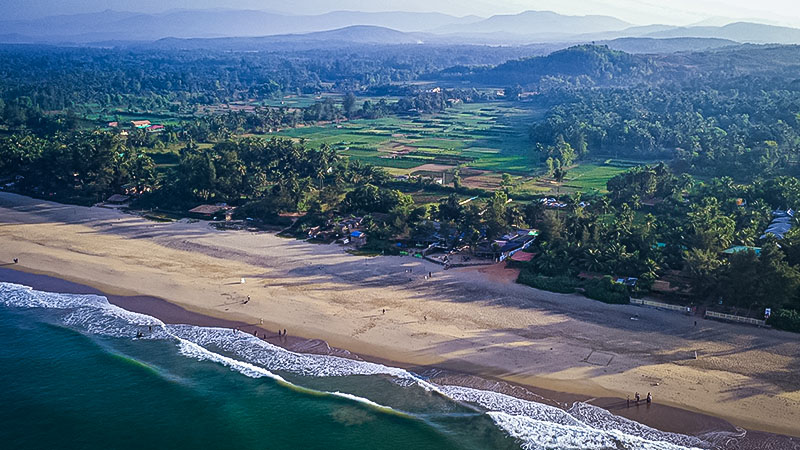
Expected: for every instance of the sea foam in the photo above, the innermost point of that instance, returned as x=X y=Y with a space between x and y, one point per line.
x=537 y=434
x=534 y=425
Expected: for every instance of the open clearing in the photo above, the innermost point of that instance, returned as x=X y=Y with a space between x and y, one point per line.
x=491 y=136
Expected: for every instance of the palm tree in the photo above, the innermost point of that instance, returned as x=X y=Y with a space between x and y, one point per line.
x=593 y=260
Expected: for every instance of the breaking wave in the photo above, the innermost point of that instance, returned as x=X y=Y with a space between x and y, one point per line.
x=534 y=425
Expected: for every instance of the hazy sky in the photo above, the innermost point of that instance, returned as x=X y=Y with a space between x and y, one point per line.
x=636 y=11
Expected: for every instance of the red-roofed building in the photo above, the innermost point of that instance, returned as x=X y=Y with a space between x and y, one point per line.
x=522 y=256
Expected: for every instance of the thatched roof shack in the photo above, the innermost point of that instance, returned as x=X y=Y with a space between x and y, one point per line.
x=118 y=199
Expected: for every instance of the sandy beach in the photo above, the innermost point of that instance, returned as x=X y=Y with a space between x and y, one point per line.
x=473 y=321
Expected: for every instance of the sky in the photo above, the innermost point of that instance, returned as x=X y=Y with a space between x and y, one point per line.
x=677 y=12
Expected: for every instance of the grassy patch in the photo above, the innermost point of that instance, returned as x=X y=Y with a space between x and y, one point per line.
x=561 y=285
x=592 y=176
x=491 y=136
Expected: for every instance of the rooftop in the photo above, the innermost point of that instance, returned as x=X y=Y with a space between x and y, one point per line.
x=522 y=256
x=206 y=209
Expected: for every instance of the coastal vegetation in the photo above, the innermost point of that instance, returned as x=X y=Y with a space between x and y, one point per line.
x=654 y=171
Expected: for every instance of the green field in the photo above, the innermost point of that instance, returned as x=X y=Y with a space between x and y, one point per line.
x=591 y=177
x=587 y=177
x=486 y=136
x=484 y=139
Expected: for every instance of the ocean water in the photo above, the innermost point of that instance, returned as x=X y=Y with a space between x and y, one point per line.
x=74 y=375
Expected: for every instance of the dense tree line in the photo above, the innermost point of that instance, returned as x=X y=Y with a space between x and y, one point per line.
x=84 y=166
x=742 y=132
x=685 y=231
x=163 y=78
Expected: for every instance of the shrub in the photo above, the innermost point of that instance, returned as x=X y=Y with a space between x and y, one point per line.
x=607 y=291
x=785 y=319
x=562 y=285
x=264 y=211
x=380 y=247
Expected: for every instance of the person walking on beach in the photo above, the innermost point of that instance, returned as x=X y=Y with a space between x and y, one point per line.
x=384 y=311
x=649 y=398
x=284 y=332
x=628 y=401
x=636 y=397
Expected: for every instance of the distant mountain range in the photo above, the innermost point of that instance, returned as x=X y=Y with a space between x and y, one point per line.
x=369 y=35
x=357 y=34
x=741 y=31
x=537 y=23
x=382 y=28
x=121 y=26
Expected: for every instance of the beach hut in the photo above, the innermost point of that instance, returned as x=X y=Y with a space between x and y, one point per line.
x=118 y=199
x=205 y=211
x=209 y=212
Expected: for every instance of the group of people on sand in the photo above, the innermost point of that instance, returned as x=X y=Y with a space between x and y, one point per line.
x=281 y=333
x=637 y=398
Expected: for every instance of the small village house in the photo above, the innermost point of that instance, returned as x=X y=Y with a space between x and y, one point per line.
x=210 y=212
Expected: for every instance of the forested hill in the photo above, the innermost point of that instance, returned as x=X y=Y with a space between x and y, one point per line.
x=781 y=61
x=587 y=63
x=600 y=66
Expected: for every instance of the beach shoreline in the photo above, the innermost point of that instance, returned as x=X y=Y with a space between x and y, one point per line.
x=462 y=321
x=661 y=417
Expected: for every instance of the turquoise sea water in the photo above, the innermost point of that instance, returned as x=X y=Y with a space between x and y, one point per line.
x=74 y=375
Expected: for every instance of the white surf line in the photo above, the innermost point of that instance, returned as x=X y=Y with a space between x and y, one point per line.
x=32 y=298
x=536 y=434
x=192 y=349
